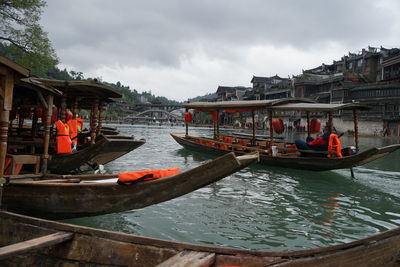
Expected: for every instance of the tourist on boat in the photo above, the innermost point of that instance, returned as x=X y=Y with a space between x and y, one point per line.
x=319 y=144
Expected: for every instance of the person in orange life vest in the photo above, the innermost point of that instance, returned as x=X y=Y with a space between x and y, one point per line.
x=73 y=133
x=63 y=139
x=68 y=115
x=319 y=144
x=80 y=124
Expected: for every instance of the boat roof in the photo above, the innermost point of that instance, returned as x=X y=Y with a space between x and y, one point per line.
x=83 y=88
x=14 y=66
x=249 y=104
x=320 y=107
x=37 y=85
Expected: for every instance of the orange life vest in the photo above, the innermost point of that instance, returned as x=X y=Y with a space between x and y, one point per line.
x=80 y=124
x=63 y=139
x=137 y=176
x=73 y=130
x=334 y=145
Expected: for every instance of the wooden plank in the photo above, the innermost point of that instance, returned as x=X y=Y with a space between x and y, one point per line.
x=189 y=258
x=32 y=244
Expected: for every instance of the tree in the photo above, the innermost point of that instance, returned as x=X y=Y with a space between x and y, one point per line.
x=22 y=38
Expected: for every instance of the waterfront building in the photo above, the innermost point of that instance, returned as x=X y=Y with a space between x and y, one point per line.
x=370 y=77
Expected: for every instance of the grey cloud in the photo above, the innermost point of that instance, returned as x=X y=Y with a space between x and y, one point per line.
x=161 y=32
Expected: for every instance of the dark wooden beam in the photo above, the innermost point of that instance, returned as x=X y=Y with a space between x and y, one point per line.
x=33 y=244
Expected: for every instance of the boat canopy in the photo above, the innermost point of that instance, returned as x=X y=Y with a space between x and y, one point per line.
x=320 y=107
x=14 y=66
x=82 y=88
x=244 y=105
x=35 y=85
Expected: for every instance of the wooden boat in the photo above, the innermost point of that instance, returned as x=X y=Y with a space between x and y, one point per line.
x=288 y=155
x=67 y=196
x=116 y=147
x=109 y=130
x=286 y=160
x=104 y=150
x=28 y=241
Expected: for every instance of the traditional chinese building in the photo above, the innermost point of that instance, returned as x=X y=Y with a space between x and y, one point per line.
x=370 y=77
x=269 y=88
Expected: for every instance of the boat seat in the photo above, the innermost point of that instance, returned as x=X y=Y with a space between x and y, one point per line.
x=18 y=160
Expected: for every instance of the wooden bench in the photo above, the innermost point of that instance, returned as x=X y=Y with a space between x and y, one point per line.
x=24 y=159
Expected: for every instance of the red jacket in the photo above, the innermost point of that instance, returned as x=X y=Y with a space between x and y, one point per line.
x=319 y=141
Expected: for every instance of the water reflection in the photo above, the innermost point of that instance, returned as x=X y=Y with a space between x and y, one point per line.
x=260 y=207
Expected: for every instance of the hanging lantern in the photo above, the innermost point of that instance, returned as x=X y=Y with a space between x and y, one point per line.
x=188 y=117
x=315 y=126
x=214 y=116
x=277 y=125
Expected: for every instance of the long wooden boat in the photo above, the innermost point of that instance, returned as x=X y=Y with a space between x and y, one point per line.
x=286 y=153
x=290 y=160
x=28 y=241
x=109 y=130
x=116 y=147
x=67 y=196
x=106 y=149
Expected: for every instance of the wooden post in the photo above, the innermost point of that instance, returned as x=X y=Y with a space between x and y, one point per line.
x=217 y=122
x=75 y=108
x=34 y=124
x=308 y=123
x=63 y=108
x=100 y=121
x=271 y=130
x=93 y=121
x=215 y=128
x=186 y=123
x=7 y=88
x=47 y=127
x=254 y=128
x=330 y=121
x=355 y=117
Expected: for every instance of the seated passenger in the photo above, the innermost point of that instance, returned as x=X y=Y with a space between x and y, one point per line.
x=320 y=144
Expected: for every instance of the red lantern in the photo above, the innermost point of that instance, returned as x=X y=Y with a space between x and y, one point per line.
x=277 y=125
x=24 y=112
x=188 y=117
x=214 y=115
x=315 y=126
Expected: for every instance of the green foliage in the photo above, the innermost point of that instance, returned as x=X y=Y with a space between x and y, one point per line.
x=206 y=97
x=22 y=38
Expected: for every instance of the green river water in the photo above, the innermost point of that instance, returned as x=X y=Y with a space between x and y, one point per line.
x=260 y=207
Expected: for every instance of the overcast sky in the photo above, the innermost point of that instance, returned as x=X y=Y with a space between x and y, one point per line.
x=183 y=49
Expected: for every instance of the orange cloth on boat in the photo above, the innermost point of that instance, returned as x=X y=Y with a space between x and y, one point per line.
x=73 y=130
x=128 y=177
x=63 y=139
x=334 y=145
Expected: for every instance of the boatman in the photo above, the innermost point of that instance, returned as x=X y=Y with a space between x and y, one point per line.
x=63 y=139
x=319 y=144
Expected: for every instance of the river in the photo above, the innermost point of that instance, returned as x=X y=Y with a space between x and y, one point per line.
x=260 y=207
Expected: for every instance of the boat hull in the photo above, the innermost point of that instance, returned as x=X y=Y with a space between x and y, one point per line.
x=106 y=149
x=95 y=247
x=79 y=197
x=296 y=162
